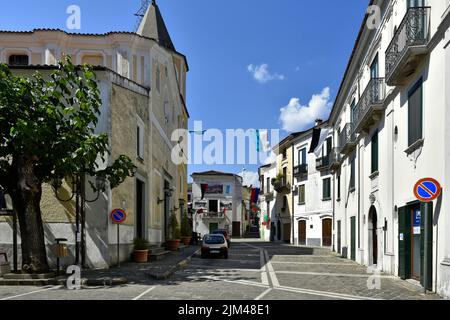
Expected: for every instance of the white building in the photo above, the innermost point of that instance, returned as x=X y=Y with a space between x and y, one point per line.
x=392 y=119
x=219 y=205
x=267 y=202
x=313 y=205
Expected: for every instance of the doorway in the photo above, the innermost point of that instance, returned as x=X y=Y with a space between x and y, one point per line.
x=302 y=232
x=353 y=238
x=140 y=209
x=326 y=232
x=412 y=242
x=287 y=232
x=213 y=227
x=339 y=237
x=373 y=236
x=166 y=209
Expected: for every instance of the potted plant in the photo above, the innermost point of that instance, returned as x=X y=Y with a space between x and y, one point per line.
x=186 y=230
x=140 y=253
x=173 y=241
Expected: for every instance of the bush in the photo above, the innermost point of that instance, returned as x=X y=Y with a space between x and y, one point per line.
x=186 y=228
x=175 y=233
x=141 y=244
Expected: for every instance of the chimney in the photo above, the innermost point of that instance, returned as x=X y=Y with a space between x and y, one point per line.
x=318 y=122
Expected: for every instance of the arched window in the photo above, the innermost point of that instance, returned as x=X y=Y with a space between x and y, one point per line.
x=18 y=60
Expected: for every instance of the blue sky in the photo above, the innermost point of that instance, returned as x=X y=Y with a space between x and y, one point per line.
x=305 y=46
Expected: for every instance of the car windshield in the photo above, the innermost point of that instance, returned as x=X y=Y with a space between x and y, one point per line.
x=214 y=239
x=220 y=232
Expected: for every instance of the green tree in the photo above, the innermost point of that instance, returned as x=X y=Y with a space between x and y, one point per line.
x=47 y=133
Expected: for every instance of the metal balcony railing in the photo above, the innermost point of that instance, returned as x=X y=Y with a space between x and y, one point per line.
x=414 y=31
x=347 y=138
x=281 y=185
x=330 y=161
x=371 y=102
x=300 y=170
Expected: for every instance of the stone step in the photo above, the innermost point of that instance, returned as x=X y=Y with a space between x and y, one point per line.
x=158 y=256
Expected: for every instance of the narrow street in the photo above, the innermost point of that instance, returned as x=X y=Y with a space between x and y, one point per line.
x=255 y=270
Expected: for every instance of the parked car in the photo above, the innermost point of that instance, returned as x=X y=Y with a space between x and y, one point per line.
x=214 y=245
x=225 y=233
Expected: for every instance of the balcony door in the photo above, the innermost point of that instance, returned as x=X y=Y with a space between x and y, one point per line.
x=374 y=68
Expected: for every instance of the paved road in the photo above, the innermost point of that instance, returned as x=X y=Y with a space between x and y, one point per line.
x=254 y=271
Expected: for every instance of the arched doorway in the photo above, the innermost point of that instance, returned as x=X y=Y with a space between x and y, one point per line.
x=373 y=237
x=302 y=232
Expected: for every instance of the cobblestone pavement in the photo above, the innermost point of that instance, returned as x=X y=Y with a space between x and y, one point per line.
x=254 y=271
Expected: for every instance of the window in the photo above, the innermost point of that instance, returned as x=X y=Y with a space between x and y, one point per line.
x=302 y=156
x=140 y=139
x=18 y=60
x=352 y=175
x=285 y=203
x=339 y=187
x=353 y=111
x=415 y=113
x=284 y=154
x=414 y=3
x=375 y=152
x=301 y=194
x=326 y=188
x=213 y=206
x=158 y=80
x=166 y=111
x=374 y=73
x=268 y=185
x=262 y=183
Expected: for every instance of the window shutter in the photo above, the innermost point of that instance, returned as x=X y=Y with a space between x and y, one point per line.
x=415 y=113
x=404 y=243
x=375 y=152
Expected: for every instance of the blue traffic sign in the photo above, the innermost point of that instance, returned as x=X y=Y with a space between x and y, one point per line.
x=118 y=216
x=427 y=190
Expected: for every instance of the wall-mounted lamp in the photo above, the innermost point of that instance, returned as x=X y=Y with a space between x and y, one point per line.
x=167 y=192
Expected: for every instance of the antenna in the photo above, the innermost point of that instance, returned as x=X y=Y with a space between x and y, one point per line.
x=141 y=12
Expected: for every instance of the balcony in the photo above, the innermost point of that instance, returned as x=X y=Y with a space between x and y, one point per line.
x=301 y=170
x=281 y=185
x=213 y=215
x=347 y=139
x=371 y=105
x=323 y=163
x=409 y=46
x=335 y=159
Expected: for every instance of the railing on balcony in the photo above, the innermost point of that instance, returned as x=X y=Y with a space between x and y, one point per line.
x=281 y=185
x=347 y=138
x=301 y=170
x=323 y=163
x=370 y=104
x=409 y=41
x=334 y=158
x=213 y=215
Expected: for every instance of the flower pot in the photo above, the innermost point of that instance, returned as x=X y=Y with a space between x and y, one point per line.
x=186 y=240
x=140 y=256
x=172 y=245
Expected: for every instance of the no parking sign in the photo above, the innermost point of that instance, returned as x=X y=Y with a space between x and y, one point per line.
x=427 y=190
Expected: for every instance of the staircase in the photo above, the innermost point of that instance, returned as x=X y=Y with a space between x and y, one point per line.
x=156 y=253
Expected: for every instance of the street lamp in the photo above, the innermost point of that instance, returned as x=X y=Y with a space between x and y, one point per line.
x=78 y=192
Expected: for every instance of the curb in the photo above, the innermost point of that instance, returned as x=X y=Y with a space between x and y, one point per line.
x=180 y=265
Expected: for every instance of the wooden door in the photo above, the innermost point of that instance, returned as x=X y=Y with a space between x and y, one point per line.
x=287 y=232
x=353 y=238
x=326 y=232
x=302 y=232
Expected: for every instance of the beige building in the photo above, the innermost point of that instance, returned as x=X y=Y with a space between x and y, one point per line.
x=143 y=88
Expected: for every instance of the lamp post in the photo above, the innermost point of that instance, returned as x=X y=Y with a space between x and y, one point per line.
x=78 y=192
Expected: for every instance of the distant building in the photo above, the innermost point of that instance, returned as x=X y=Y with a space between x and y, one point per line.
x=217 y=202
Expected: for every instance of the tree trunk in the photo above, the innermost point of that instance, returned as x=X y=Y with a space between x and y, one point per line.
x=26 y=200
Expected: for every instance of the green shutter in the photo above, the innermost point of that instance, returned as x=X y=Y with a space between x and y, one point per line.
x=404 y=243
x=429 y=242
x=353 y=238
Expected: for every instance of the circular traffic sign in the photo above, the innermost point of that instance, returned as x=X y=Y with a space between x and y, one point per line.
x=118 y=216
x=427 y=190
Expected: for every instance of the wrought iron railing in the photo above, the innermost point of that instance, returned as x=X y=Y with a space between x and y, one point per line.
x=413 y=31
x=301 y=170
x=335 y=156
x=347 y=136
x=374 y=94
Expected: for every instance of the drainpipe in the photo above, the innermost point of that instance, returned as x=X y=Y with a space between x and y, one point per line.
x=292 y=193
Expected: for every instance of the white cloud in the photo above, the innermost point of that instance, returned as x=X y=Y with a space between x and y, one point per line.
x=261 y=73
x=298 y=117
x=272 y=158
x=297 y=69
x=250 y=178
